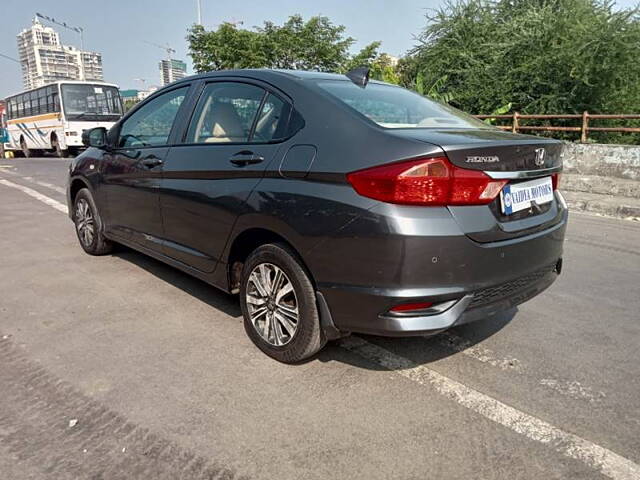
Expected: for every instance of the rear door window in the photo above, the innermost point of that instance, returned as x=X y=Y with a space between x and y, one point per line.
x=226 y=113
x=271 y=123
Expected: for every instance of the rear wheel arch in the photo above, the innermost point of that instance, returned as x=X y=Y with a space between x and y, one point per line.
x=248 y=241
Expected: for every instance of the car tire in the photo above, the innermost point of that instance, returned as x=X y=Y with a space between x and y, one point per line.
x=272 y=331
x=89 y=227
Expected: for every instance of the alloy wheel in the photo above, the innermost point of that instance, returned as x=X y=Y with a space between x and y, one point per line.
x=272 y=304
x=85 y=223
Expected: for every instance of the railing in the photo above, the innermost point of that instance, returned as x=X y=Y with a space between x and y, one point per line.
x=584 y=128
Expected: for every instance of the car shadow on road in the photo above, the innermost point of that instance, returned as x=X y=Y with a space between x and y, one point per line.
x=419 y=350
x=423 y=350
x=197 y=288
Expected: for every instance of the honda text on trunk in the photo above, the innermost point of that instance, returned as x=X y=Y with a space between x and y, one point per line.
x=331 y=204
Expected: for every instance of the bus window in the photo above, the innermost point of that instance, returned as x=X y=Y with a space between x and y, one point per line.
x=90 y=102
x=33 y=102
x=42 y=100
x=20 y=104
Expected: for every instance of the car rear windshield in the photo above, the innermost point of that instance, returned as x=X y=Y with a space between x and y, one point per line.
x=395 y=107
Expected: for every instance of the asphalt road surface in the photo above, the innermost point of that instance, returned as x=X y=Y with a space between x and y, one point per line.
x=122 y=367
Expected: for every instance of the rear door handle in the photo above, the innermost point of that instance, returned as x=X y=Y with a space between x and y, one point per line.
x=151 y=161
x=244 y=158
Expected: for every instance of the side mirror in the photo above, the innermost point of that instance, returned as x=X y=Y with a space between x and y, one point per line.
x=95 y=137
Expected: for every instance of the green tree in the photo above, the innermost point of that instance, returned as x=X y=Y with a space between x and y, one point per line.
x=542 y=56
x=316 y=44
x=226 y=48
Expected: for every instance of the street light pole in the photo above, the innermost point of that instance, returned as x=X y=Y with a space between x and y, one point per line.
x=199 y=12
x=83 y=76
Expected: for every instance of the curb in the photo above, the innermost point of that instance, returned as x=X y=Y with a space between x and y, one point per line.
x=605 y=205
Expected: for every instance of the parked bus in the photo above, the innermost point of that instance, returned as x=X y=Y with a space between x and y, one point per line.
x=38 y=120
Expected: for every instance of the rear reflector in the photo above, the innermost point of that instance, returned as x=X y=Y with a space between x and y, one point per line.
x=406 y=307
x=426 y=181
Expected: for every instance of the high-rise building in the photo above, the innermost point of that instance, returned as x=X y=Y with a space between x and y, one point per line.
x=172 y=70
x=45 y=60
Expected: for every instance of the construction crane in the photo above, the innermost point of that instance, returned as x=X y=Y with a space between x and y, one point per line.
x=167 y=48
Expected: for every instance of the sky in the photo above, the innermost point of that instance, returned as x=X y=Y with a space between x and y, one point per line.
x=119 y=28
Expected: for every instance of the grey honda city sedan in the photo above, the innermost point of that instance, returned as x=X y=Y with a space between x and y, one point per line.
x=330 y=203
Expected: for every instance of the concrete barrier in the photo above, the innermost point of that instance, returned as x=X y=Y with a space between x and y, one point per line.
x=616 y=161
x=602 y=179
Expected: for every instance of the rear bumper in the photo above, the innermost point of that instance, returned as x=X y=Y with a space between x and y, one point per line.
x=479 y=279
x=467 y=309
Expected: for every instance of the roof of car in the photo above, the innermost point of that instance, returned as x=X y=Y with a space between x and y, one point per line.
x=266 y=73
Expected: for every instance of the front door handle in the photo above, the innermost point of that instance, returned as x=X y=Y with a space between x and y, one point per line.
x=151 y=161
x=244 y=158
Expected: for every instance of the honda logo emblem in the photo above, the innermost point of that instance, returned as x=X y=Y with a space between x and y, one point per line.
x=540 y=157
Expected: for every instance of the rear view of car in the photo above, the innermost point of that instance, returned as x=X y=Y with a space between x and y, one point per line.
x=471 y=227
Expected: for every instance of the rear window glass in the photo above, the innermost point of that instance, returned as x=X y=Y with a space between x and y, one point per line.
x=395 y=107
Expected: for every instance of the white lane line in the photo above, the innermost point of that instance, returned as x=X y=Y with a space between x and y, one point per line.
x=602 y=459
x=50 y=186
x=482 y=354
x=568 y=388
x=573 y=389
x=37 y=195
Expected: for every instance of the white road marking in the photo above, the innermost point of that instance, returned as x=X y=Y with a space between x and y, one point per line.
x=602 y=459
x=37 y=195
x=568 y=388
x=50 y=186
x=573 y=389
x=479 y=353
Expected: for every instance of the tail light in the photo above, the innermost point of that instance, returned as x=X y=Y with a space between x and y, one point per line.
x=426 y=181
x=408 y=307
x=555 y=181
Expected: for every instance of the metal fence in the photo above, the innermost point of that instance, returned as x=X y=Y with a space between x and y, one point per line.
x=584 y=128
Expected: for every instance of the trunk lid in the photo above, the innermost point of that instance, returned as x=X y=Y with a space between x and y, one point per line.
x=504 y=155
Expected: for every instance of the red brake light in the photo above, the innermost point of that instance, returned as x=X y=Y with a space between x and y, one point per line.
x=426 y=181
x=555 y=180
x=407 y=307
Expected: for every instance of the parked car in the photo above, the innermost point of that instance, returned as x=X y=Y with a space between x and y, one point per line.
x=331 y=204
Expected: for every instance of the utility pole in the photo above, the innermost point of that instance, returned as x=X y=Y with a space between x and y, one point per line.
x=78 y=30
x=199 y=12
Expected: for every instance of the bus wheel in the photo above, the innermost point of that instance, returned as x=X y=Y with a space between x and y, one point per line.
x=26 y=153
x=57 y=150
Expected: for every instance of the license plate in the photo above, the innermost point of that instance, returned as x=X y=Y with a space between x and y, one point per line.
x=520 y=196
